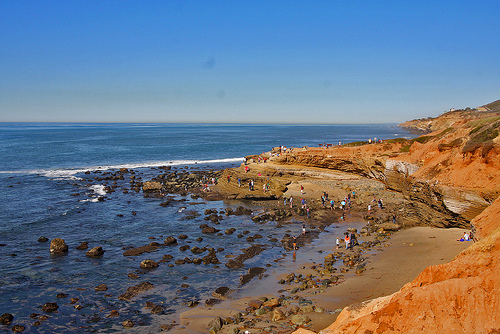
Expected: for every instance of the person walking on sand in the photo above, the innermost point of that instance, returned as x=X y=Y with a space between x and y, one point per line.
x=239 y=182
x=301 y=189
x=303 y=228
x=294 y=243
x=338 y=242
x=291 y=202
x=369 y=208
x=332 y=204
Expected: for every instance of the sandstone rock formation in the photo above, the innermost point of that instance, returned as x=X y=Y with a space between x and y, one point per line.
x=452 y=177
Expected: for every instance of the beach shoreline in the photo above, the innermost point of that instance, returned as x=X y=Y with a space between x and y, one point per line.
x=387 y=266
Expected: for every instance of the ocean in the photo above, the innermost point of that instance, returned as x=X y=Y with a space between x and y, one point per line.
x=46 y=190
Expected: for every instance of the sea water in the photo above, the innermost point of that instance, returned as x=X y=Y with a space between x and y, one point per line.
x=45 y=191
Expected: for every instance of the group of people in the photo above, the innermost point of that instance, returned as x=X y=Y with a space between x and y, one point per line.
x=350 y=240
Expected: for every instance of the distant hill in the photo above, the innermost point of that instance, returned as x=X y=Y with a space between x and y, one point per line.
x=453 y=117
x=493 y=106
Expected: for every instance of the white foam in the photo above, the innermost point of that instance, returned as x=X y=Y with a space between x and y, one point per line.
x=98 y=189
x=69 y=174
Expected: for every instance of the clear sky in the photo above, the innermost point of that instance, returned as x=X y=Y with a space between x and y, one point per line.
x=246 y=61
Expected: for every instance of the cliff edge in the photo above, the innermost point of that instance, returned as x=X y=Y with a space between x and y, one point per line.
x=453 y=174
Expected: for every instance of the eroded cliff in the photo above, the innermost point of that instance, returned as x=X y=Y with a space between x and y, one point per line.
x=451 y=176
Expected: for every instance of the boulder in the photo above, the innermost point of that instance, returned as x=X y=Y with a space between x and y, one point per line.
x=58 y=246
x=95 y=252
x=43 y=239
x=101 y=287
x=277 y=315
x=148 y=264
x=50 y=307
x=210 y=230
x=128 y=323
x=83 y=245
x=170 y=241
x=151 y=186
x=300 y=320
x=6 y=318
x=221 y=292
x=216 y=324
x=18 y=328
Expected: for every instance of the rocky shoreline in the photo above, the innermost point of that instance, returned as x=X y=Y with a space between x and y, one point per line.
x=397 y=185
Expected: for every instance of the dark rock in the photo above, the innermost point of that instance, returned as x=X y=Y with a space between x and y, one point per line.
x=43 y=239
x=95 y=252
x=58 y=246
x=216 y=324
x=192 y=304
x=133 y=276
x=196 y=250
x=6 y=318
x=113 y=313
x=221 y=292
x=251 y=273
x=50 y=307
x=148 y=264
x=184 y=248
x=140 y=250
x=183 y=236
x=210 y=258
x=101 y=287
x=83 y=245
x=212 y=301
x=248 y=253
x=128 y=323
x=170 y=241
x=210 y=230
x=135 y=290
x=18 y=328
x=62 y=295
x=157 y=309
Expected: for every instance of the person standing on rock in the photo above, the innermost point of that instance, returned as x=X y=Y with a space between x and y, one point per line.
x=332 y=204
x=239 y=182
x=294 y=243
x=291 y=202
x=347 y=241
x=369 y=208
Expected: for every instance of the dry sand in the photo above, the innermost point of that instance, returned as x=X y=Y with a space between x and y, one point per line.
x=396 y=263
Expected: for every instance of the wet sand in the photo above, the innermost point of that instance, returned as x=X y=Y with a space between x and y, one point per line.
x=396 y=263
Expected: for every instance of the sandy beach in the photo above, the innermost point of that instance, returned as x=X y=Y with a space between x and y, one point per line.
x=396 y=263
x=389 y=265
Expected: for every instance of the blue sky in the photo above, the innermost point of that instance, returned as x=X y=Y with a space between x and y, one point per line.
x=246 y=61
